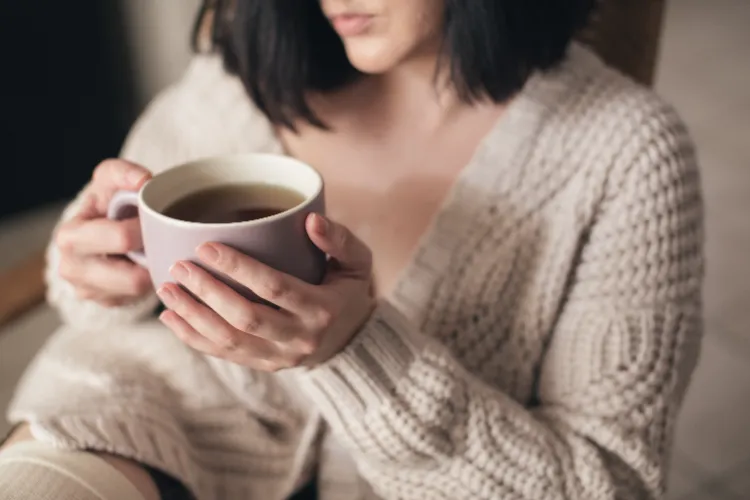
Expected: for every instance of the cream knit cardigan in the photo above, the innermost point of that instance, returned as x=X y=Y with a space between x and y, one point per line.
x=537 y=346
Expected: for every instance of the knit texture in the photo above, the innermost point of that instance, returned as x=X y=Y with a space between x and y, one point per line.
x=537 y=346
x=35 y=471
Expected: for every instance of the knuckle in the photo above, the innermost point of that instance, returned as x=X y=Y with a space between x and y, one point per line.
x=197 y=286
x=229 y=341
x=310 y=346
x=181 y=334
x=187 y=312
x=325 y=318
x=249 y=322
x=276 y=288
x=229 y=261
x=203 y=287
x=343 y=238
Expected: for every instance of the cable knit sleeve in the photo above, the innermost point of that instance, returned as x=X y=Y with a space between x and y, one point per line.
x=608 y=387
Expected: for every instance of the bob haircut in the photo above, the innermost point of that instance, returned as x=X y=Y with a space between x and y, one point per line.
x=284 y=49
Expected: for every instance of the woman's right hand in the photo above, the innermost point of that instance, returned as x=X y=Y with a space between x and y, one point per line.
x=91 y=246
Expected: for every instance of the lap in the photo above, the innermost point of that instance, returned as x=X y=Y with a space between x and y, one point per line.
x=131 y=471
x=139 y=393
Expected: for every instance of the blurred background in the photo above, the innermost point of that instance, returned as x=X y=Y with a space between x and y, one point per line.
x=76 y=74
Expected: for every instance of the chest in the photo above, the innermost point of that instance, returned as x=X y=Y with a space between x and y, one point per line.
x=387 y=192
x=480 y=283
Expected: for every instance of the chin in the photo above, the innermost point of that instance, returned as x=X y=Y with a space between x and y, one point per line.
x=371 y=57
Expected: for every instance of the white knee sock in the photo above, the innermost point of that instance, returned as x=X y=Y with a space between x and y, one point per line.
x=31 y=470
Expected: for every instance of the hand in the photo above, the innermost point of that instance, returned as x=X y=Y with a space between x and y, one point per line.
x=89 y=241
x=313 y=322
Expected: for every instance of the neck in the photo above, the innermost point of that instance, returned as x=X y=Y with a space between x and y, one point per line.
x=422 y=82
x=418 y=87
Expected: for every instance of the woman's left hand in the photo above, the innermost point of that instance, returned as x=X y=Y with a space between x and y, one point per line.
x=313 y=323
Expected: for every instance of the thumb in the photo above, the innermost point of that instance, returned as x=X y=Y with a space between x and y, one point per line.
x=341 y=244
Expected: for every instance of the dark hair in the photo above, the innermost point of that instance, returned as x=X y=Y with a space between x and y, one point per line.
x=283 y=49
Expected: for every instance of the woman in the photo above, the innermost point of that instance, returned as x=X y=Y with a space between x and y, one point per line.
x=513 y=304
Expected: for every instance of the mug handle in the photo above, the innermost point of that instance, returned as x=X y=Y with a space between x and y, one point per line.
x=119 y=205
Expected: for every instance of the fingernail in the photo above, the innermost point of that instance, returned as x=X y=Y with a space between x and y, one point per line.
x=180 y=271
x=208 y=253
x=135 y=177
x=323 y=225
x=166 y=295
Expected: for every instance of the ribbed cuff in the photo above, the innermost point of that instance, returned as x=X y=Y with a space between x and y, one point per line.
x=42 y=471
x=146 y=439
x=369 y=369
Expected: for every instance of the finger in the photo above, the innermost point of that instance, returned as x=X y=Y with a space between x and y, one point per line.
x=245 y=316
x=341 y=244
x=193 y=339
x=101 y=297
x=117 y=174
x=113 y=301
x=283 y=290
x=188 y=334
x=99 y=236
x=111 y=278
x=88 y=293
x=212 y=326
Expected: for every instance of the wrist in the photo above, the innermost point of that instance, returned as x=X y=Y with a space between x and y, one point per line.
x=373 y=363
x=346 y=334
